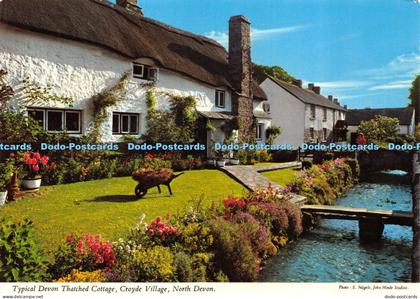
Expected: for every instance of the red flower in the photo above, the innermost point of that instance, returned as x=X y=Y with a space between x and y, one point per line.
x=36 y=156
x=69 y=239
x=44 y=160
x=149 y=156
x=35 y=167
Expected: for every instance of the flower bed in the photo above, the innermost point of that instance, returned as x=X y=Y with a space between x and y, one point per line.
x=228 y=242
x=322 y=184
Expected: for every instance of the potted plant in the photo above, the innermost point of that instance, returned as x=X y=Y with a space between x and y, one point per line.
x=234 y=159
x=33 y=162
x=6 y=171
x=221 y=161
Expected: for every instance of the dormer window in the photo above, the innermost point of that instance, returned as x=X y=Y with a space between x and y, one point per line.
x=220 y=98
x=145 y=72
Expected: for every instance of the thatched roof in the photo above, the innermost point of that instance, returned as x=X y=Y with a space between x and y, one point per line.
x=355 y=116
x=109 y=26
x=307 y=96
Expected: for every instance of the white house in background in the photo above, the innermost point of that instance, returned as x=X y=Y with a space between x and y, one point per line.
x=304 y=115
x=406 y=117
x=82 y=47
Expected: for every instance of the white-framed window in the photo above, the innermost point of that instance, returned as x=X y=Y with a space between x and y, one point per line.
x=145 y=72
x=57 y=120
x=220 y=98
x=313 y=111
x=125 y=123
x=324 y=118
x=260 y=130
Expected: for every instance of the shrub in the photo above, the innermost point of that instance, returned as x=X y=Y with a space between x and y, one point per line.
x=85 y=253
x=233 y=251
x=80 y=276
x=153 y=264
x=183 y=267
x=20 y=258
x=197 y=237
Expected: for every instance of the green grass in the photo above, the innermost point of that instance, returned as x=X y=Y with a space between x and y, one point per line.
x=265 y=163
x=281 y=176
x=109 y=207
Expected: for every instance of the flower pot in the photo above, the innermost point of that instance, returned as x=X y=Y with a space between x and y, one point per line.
x=234 y=161
x=31 y=184
x=3 y=196
x=220 y=163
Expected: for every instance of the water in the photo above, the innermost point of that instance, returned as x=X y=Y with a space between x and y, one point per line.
x=332 y=251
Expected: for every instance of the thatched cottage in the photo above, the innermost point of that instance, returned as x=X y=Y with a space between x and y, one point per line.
x=82 y=47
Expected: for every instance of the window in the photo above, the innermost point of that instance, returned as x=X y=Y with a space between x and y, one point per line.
x=311 y=133
x=57 y=120
x=325 y=133
x=145 y=72
x=220 y=98
x=325 y=114
x=260 y=128
x=125 y=123
x=38 y=115
x=266 y=107
x=312 y=111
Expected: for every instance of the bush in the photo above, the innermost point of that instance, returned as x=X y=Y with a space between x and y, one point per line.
x=182 y=263
x=85 y=253
x=233 y=251
x=20 y=258
x=284 y=156
x=80 y=276
x=153 y=264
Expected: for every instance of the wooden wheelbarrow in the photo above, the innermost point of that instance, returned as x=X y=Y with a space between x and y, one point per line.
x=148 y=178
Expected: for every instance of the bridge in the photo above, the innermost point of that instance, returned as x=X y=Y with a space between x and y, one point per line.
x=371 y=222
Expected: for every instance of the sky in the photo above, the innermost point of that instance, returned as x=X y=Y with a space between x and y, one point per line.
x=365 y=52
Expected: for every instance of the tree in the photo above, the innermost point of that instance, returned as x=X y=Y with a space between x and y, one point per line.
x=260 y=72
x=380 y=128
x=272 y=133
x=414 y=96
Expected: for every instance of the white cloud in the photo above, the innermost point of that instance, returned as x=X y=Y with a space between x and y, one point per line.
x=402 y=66
x=256 y=34
x=343 y=84
x=402 y=84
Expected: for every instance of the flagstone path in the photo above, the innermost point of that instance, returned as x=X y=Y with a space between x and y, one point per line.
x=250 y=177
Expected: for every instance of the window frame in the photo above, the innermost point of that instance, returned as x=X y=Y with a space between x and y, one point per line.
x=137 y=76
x=325 y=133
x=120 y=123
x=79 y=122
x=312 y=133
x=146 y=73
x=219 y=92
x=259 y=131
x=313 y=111
x=325 y=114
x=267 y=108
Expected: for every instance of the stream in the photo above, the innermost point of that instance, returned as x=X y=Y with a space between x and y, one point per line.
x=331 y=252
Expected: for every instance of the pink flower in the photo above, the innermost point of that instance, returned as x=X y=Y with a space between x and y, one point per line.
x=36 y=156
x=35 y=167
x=12 y=155
x=69 y=239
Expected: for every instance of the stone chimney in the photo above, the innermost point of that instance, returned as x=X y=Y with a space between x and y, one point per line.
x=317 y=89
x=345 y=107
x=297 y=83
x=336 y=100
x=131 y=6
x=331 y=98
x=311 y=86
x=240 y=71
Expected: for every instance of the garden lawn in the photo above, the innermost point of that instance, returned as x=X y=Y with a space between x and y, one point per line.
x=281 y=176
x=108 y=207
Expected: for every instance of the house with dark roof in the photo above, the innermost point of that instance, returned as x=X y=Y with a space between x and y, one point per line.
x=82 y=47
x=406 y=117
x=303 y=114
